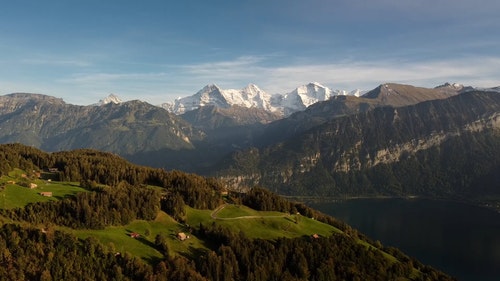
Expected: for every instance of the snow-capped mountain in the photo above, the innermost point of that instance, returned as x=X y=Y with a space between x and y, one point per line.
x=253 y=97
x=304 y=96
x=307 y=95
x=357 y=93
x=112 y=98
x=250 y=96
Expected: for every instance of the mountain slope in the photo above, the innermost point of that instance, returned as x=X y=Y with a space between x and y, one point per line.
x=340 y=157
x=337 y=106
x=49 y=123
x=401 y=95
x=211 y=117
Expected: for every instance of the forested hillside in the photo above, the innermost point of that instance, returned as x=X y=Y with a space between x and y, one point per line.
x=441 y=149
x=44 y=240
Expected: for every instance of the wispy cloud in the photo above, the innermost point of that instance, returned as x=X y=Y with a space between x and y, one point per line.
x=481 y=71
x=56 y=62
x=273 y=77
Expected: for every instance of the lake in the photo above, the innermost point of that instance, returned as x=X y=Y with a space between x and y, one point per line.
x=459 y=239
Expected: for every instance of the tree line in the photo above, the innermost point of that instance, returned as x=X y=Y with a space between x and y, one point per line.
x=92 y=168
x=95 y=209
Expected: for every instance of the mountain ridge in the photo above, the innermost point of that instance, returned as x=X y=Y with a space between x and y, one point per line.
x=299 y=98
x=360 y=154
x=51 y=124
x=252 y=96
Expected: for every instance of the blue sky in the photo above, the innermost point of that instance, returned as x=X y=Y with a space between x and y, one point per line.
x=156 y=51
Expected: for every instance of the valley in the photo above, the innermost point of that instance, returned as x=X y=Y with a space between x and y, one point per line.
x=249 y=140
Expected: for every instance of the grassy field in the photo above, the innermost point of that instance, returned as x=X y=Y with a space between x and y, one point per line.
x=257 y=224
x=118 y=237
x=15 y=195
x=235 y=211
x=267 y=226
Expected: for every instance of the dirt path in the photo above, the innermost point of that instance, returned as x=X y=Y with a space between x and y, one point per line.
x=213 y=215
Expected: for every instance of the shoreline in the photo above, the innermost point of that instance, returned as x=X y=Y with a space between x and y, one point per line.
x=493 y=205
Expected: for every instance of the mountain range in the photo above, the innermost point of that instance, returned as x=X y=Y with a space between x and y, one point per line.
x=311 y=141
x=438 y=148
x=253 y=97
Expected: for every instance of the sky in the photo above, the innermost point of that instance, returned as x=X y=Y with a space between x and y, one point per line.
x=156 y=51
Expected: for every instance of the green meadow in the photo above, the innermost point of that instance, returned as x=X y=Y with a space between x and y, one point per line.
x=268 y=225
x=13 y=194
x=258 y=224
x=118 y=237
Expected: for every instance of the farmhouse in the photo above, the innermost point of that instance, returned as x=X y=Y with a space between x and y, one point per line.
x=46 y=193
x=182 y=236
x=135 y=235
x=33 y=185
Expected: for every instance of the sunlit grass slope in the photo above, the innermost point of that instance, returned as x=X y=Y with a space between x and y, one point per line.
x=13 y=195
x=257 y=224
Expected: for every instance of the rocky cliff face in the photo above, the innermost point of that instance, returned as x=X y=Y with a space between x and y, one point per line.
x=212 y=117
x=359 y=143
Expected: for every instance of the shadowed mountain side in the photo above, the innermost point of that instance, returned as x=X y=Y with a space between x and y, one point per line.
x=444 y=145
x=49 y=123
x=210 y=118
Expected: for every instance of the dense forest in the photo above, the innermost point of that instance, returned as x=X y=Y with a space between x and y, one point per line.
x=118 y=192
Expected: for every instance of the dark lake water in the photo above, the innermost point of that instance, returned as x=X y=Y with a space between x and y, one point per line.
x=459 y=239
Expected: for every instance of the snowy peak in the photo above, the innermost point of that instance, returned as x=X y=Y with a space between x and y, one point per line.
x=112 y=98
x=304 y=96
x=312 y=93
x=209 y=95
x=252 y=96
